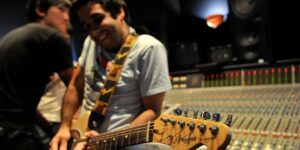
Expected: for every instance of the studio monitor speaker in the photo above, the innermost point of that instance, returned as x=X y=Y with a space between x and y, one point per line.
x=185 y=54
x=249 y=24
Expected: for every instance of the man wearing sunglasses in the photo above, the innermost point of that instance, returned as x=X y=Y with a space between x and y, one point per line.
x=144 y=78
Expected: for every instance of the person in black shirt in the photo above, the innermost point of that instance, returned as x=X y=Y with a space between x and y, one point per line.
x=29 y=55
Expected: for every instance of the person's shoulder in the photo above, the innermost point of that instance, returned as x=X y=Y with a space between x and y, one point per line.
x=37 y=31
x=149 y=40
x=149 y=44
x=46 y=32
x=27 y=30
x=40 y=27
x=30 y=32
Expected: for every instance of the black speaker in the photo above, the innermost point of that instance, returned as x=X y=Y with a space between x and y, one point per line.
x=221 y=53
x=186 y=54
x=249 y=24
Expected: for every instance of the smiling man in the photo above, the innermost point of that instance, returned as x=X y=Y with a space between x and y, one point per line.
x=144 y=78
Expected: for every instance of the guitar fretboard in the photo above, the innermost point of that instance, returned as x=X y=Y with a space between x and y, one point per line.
x=121 y=138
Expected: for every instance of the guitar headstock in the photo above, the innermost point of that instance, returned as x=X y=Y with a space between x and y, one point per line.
x=189 y=133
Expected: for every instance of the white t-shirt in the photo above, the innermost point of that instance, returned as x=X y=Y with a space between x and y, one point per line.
x=145 y=73
x=51 y=101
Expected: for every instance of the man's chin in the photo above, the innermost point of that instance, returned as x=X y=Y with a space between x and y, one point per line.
x=62 y=29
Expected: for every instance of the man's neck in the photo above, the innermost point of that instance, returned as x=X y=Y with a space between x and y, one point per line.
x=126 y=32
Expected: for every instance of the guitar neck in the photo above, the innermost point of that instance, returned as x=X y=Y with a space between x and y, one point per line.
x=175 y=131
x=121 y=138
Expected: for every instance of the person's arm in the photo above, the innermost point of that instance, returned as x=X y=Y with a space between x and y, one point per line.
x=71 y=102
x=153 y=81
x=73 y=97
x=152 y=109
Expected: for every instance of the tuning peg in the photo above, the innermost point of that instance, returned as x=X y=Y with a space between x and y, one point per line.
x=173 y=122
x=178 y=111
x=191 y=125
x=202 y=128
x=206 y=115
x=165 y=120
x=186 y=111
x=228 y=120
x=216 y=117
x=214 y=130
x=195 y=114
x=181 y=124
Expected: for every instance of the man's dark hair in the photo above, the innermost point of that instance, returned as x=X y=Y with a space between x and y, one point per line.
x=111 y=6
x=42 y=5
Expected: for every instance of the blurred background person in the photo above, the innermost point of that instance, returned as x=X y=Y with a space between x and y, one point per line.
x=29 y=55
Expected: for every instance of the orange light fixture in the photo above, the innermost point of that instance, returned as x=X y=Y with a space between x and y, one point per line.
x=214 y=21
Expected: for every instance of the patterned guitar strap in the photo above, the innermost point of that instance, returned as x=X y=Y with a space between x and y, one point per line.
x=100 y=108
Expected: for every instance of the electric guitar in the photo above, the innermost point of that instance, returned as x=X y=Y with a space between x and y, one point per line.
x=181 y=133
x=80 y=125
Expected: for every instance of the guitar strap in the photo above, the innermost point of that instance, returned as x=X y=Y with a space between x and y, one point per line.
x=100 y=108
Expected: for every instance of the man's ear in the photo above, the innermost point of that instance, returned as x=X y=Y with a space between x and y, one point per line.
x=122 y=13
x=41 y=13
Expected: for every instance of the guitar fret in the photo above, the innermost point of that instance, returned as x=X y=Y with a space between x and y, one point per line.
x=115 y=141
x=100 y=145
x=110 y=140
x=129 y=138
x=137 y=135
x=104 y=146
x=121 y=138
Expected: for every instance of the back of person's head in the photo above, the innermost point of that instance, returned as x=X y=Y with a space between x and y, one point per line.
x=111 y=6
x=42 y=5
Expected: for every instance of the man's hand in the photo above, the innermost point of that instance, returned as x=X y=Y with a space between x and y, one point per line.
x=82 y=145
x=60 y=140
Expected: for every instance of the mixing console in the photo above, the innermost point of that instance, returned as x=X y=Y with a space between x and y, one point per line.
x=264 y=117
x=265 y=108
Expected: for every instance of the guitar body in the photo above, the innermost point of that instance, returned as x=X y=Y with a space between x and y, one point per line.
x=89 y=120
x=80 y=125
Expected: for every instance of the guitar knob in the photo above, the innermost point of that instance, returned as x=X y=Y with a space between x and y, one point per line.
x=202 y=128
x=195 y=114
x=191 y=125
x=178 y=111
x=94 y=123
x=165 y=120
x=206 y=115
x=214 y=130
x=216 y=117
x=186 y=111
x=181 y=124
x=228 y=120
x=173 y=122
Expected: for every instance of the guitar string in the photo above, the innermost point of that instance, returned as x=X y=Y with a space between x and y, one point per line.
x=95 y=140
x=122 y=132
x=167 y=140
x=131 y=131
